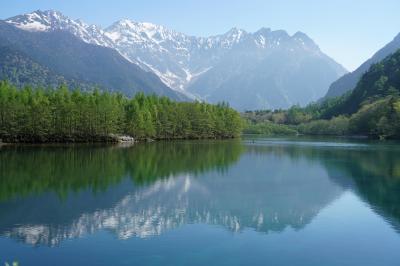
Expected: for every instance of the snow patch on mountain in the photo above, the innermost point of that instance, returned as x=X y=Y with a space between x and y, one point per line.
x=33 y=26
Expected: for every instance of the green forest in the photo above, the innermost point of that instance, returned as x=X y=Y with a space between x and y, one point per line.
x=35 y=114
x=371 y=109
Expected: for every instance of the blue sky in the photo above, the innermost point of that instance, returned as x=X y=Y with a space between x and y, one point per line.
x=350 y=31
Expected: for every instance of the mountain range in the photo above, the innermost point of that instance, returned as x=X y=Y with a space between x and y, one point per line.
x=264 y=69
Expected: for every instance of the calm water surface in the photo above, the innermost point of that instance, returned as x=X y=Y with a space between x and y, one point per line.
x=239 y=202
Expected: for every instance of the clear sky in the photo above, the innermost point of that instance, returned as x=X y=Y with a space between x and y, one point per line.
x=350 y=31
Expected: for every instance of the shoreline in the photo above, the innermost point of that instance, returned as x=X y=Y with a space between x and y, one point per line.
x=106 y=141
x=311 y=135
x=129 y=141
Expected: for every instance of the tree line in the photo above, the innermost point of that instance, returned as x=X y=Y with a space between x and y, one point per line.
x=63 y=115
x=377 y=119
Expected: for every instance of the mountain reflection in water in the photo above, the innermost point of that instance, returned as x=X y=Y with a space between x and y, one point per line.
x=50 y=194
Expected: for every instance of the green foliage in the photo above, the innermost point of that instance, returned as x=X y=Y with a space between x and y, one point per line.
x=46 y=115
x=327 y=108
x=269 y=128
x=379 y=119
x=294 y=116
x=337 y=126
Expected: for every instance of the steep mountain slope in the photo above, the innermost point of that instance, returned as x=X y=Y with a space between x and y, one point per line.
x=349 y=81
x=21 y=70
x=381 y=80
x=63 y=54
x=277 y=69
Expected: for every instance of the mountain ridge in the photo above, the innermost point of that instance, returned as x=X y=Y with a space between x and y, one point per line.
x=182 y=61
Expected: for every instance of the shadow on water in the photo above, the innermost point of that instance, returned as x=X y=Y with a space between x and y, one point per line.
x=54 y=193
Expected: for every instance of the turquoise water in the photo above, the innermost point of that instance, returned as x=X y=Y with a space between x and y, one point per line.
x=256 y=201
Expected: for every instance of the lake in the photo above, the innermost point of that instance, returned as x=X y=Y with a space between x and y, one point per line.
x=255 y=201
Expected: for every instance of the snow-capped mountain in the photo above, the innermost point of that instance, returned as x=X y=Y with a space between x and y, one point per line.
x=175 y=57
x=194 y=64
x=54 y=20
x=269 y=70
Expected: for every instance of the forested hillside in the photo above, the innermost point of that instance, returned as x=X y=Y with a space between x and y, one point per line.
x=372 y=108
x=382 y=79
x=349 y=81
x=22 y=70
x=62 y=115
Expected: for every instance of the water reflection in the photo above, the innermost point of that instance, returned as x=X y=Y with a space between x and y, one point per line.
x=369 y=169
x=51 y=194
